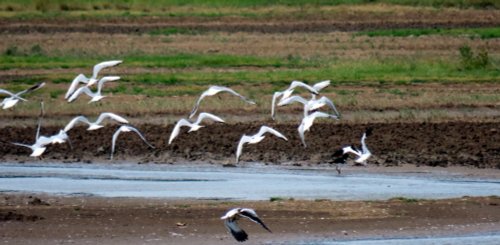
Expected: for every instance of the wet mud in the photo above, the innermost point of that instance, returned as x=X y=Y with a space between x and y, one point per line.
x=434 y=144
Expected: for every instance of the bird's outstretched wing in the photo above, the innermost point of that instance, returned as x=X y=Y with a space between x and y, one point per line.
x=177 y=128
x=78 y=79
x=296 y=84
x=24 y=145
x=126 y=128
x=113 y=116
x=292 y=99
x=140 y=135
x=231 y=91
x=273 y=104
x=31 y=89
x=364 y=148
x=73 y=121
x=3 y=91
x=204 y=115
x=321 y=85
x=79 y=91
x=301 y=130
x=105 y=80
x=266 y=129
x=215 y=90
x=244 y=139
x=195 y=108
x=238 y=234
x=102 y=65
x=330 y=104
x=252 y=215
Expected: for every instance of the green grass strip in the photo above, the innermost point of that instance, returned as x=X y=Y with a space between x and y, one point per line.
x=168 y=61
x=484 y=33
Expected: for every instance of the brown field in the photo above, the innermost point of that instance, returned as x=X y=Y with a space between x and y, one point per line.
x=435 y=122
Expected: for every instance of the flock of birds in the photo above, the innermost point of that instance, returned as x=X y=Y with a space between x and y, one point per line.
x=311 y=109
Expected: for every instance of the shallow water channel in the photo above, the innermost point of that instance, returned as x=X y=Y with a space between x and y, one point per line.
x=483 y=239
x=241 y=183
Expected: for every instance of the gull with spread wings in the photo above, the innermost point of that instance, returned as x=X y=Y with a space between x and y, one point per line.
x=308 y=121
x=193 y=126
x=93 y=79
x=13 y=98
x=126 y=128
x=213 y=90
x=285 y=94
x=256 y=138
x=233 y=215
x=94 y=125
x=96 y=96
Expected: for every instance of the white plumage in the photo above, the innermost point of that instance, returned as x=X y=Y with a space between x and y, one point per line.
x=193 y=126
x=256 y=138
x=126 y=128
x=13 y=98
x=97 y=124
x=213 y=90
x=96 y=96
x=308 y=121
x=93 y=79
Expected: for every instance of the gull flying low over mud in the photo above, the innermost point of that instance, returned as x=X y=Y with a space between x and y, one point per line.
x=361 y=154
x=93 y=79
x=94 y=125
x=13 y=98
x=126 y=128
x=308 y=121
x=96 y=96
x=256 y=138
x=193 y=126
x=312 y=104
x=233 y=215
x=213 y=90
x=285 y=94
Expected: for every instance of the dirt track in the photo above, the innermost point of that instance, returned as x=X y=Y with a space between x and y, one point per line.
x=433 y=144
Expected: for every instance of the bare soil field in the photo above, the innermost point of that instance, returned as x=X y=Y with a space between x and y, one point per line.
x=40 y=219
x=442 y=144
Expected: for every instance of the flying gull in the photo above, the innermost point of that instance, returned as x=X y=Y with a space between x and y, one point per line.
x=94 y=125
x=233 y=215
x=308 y=121
x=93 y=79
x=256 y=138
x=126 y=128
x=13 y=98
x=311 y=105
x=285 y=94
x=213 y=90
x=193 y=126
x=96 y=96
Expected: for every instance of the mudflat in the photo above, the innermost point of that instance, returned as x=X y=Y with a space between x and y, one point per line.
x=41 y=219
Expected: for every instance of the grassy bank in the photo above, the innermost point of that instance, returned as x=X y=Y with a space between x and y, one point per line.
x=484 y=33
x=29 y=9
x=196 y=70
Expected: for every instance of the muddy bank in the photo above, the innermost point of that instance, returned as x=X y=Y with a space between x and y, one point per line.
x=135 y=221
x=434 y=144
